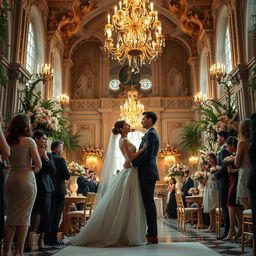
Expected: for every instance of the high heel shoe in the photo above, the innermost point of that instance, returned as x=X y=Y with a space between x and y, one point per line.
x=230 y=236
x=41 y=244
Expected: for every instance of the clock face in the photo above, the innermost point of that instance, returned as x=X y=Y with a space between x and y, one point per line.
x=145 y=84
x=114 y=84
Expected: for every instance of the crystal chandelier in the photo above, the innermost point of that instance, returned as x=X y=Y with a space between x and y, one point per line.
x=134 y=33
x=132 y=110
x=217 y=72
x=199 y=98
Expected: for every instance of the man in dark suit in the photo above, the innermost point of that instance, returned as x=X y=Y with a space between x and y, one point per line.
x=252 y=174
x=83 y=186
x=58 y=195
x=188 y=183
x=222 y=179
x=148 y=172
x=92 y=184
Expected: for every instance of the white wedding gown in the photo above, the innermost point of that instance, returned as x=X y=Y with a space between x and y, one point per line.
x=119 y=218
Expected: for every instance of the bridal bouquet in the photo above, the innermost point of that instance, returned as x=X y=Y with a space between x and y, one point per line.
x=91 y=151
x=75 y=169
x=168 y=150
x=44 y=119
x=177 y=170
x=193 y=191
x=213 y=170
x=229 y=159
x=198 y=176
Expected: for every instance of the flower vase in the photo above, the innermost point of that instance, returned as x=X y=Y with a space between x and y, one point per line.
x=201 y=189
x=73 y=185
x=178 y=183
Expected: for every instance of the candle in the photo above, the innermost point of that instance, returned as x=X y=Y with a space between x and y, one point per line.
x=108 y=18
x=152 y=6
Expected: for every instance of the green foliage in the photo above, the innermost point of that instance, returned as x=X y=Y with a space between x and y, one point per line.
x=191 y=137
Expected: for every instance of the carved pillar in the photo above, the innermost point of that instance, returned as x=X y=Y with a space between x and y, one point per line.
x=66 y=81
x=156 y=78
x=194 y=64
x=104 y=77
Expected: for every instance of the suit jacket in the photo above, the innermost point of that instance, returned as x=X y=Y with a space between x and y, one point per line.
x=83 y=187
x=61 y=175
x=146 y=162
x=189 y=183
x=252 y=153
x=222 y=174
x=43 y=178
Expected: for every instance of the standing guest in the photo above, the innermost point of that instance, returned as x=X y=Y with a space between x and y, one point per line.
x=252 y=175
x=233 y=208
x=4 y=153
x=171 y=211
x=222 y=179
x=210 y=199
x=188 y=183
x=58 y=195
x=42 y=206
x=20 y=187
x=242 y=162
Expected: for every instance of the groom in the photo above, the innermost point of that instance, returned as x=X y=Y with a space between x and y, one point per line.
x=148 y=173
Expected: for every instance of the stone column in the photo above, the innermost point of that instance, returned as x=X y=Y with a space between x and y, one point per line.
x=194 y=64
x=156 y=78
x=66 y=81
x=104 y=77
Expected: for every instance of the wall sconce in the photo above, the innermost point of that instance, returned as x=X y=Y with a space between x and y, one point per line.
x=199 y=98
x=45 y=72
x=167 y=178
x=217 y=72
x=63 y=99
x=193 y=160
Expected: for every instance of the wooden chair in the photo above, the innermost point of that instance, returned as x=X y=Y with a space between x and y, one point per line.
x=246 y=220
x=183 y=214
x=77 y=219
x=218 y=220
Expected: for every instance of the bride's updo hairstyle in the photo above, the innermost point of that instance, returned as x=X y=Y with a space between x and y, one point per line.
x=118 y=124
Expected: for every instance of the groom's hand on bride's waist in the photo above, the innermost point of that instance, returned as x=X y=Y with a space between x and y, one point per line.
x=127 y=164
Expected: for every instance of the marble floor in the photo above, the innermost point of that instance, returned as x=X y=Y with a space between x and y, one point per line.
x=193 y=242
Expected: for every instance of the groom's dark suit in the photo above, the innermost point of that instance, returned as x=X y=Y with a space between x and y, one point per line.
x=148 y=174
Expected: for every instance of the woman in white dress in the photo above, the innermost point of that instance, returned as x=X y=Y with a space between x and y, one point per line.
x=119 y=216
x=210 y=199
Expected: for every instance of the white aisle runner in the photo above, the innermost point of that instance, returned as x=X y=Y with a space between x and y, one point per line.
x=161 y=249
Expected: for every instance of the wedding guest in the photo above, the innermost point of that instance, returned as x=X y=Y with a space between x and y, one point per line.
x=83 y=187
x=171 y=211
x=188 y=183
x=94 y=178
x=20 y=189
x=233 y=208
x=60 y=191
x=210 y=198
x=92 y=185
x=42 y=206
x=242 y=162
x=222 y=179
x=4 y=153
x=251 y=184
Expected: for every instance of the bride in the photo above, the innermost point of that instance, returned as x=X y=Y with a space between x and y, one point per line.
x=119 y=216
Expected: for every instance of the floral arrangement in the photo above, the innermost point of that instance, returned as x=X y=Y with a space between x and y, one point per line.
x=224 y=124
x=160 y=192
x=168 y=150
x=198 y=176
x=76 y=169
x=44 y=119
x=91 y=151
x=229 y=159
x=177 y=170
x=213 y=170
x=193 y=191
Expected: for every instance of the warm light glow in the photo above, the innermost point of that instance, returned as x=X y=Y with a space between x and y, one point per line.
x=170 y=158
x=193 y=160
x=44 y=72
x=199 y=98
x=137 y=33
x=63 y=100
x=97 y=179
x=217 y=71
x=132 y=110
x=166 y=178
x=91 y=159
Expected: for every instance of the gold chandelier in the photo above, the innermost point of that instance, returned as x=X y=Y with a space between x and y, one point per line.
x=134 y=33
x=132 y=110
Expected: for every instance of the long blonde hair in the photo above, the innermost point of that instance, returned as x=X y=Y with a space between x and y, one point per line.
x=244 y=129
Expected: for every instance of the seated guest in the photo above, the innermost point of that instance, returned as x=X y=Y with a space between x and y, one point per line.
x=20 y=187
x=60 y=191
x=94 y=179
x=92 y=185
x=171 y=211
x=83 y=185
x=188 y=183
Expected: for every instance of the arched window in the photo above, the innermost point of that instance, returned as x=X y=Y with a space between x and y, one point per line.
x=228 y=60
x=31 y=51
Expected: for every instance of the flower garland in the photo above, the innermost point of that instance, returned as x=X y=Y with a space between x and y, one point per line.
x=198 y=176
x=91 y=151
x=75 y=169
x=177 y=170
x=168 y=150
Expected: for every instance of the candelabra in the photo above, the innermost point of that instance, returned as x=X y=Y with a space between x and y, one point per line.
x=44 y=73
x=63 y=100
x=193 y=160
x=199 y=98
x=217 y=72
